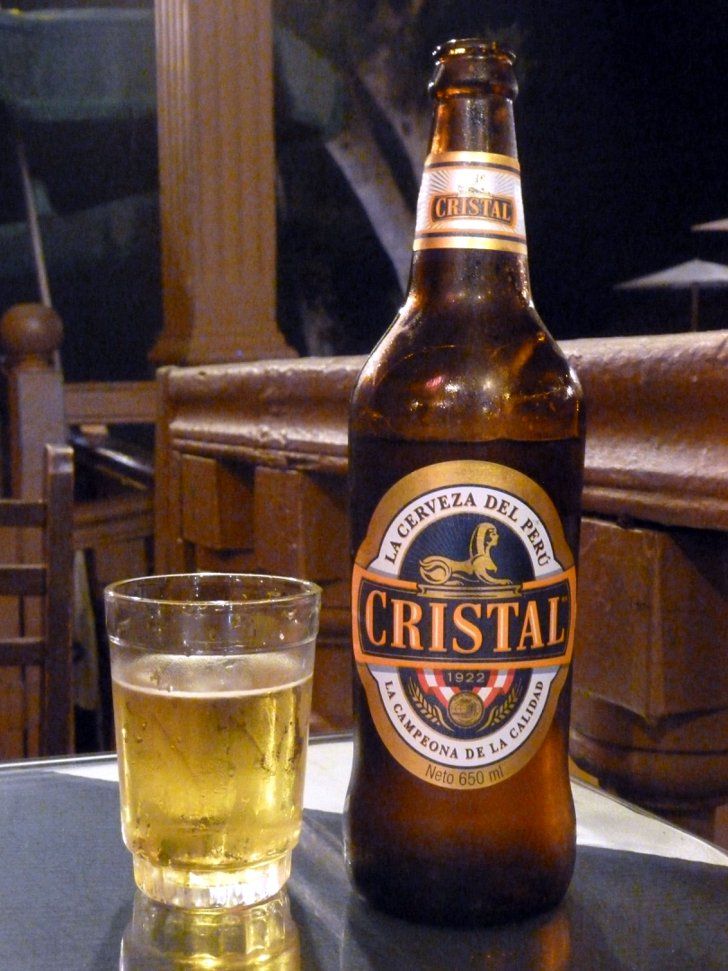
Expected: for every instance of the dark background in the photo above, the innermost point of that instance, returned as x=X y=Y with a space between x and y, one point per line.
x=621 y=123
x=623 y=143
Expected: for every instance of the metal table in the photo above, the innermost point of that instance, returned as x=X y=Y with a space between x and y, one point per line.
x=645 y=895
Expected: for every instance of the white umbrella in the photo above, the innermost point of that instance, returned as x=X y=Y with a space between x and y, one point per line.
x=695 y=275
x=717 y=226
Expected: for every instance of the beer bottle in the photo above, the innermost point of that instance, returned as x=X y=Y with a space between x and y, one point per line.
x=466 y=456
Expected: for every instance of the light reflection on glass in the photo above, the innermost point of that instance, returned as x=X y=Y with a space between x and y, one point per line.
x=434 y=383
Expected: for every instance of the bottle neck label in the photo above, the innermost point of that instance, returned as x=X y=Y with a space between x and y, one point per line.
x=463 y=601
x=471 y=200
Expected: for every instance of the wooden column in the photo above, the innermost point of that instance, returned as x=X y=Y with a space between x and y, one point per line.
x=217 y=181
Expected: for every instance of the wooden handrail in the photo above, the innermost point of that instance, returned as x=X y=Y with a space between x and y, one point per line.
x=656 y=443
x=110 y=403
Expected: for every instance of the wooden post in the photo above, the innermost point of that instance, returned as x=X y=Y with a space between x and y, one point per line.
x=217 y=182
x=30 y=338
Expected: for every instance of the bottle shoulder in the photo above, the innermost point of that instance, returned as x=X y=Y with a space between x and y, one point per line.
x=470 y=374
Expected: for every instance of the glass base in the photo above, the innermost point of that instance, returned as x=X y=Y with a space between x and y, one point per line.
x=212 y=889
x=261 y=936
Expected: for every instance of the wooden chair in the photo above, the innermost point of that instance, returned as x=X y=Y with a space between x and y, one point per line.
x=113 y=517
x=42 y=591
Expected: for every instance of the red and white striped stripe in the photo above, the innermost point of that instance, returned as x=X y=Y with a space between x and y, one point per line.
x=499 y=682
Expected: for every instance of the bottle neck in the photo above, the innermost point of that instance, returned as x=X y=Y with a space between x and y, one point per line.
x=476 y=122
x=470 y=226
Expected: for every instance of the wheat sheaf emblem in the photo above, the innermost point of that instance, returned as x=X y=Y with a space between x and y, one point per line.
x=502 y=712
x=428 y=711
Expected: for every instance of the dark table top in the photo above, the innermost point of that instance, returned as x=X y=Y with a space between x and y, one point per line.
x=67 y=900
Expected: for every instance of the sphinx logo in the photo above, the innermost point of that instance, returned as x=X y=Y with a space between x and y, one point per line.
x=476 y=575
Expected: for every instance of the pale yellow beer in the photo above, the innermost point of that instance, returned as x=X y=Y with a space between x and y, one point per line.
x=211 y=704
x=212 y=779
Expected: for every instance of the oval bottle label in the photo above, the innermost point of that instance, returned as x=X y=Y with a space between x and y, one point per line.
x=470 y=200
x=464 y=607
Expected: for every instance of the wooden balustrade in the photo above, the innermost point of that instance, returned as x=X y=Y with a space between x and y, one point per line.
x=251 y=474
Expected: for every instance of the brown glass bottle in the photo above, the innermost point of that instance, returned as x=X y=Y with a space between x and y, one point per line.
x=465 y=417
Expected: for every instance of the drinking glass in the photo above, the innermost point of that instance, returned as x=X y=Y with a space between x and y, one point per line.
x=211 y=677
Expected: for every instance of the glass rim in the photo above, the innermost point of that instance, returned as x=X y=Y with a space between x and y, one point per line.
x=304 y=590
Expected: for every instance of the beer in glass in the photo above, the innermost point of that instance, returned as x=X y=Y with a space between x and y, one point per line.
x=211 y=677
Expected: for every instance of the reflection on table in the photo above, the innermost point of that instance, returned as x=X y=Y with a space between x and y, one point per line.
x=159 y=937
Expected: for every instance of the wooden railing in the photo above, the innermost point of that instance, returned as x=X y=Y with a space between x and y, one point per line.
x=251 y=474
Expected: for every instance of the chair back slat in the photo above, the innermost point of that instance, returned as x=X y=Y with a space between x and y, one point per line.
x=16 y=651
x=22 y=580
x=19 y=513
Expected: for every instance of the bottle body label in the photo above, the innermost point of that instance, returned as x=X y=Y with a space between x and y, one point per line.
x=471 y=200
x=464 y=605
